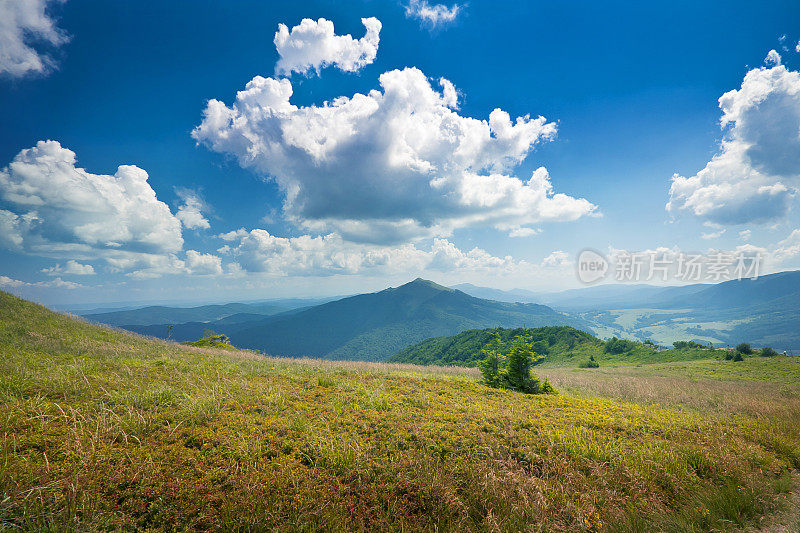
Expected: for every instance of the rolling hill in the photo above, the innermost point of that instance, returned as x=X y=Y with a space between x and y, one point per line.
x=561 y=346
x=464 y=349
x=763 y=312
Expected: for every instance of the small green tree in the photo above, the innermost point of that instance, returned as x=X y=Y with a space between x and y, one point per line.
x=766 y=351
x=518 y=372
x=511 y=370
x=738 y=357
x=744 y=348
x=493 y=363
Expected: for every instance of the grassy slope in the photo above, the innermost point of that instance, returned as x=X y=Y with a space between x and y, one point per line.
x=102 y=430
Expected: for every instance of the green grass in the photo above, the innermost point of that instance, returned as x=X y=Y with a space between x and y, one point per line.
x=105 y=430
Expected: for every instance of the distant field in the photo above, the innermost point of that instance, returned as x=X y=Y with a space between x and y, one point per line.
x=107 y=430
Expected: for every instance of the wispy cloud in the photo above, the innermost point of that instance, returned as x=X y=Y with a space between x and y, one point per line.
x=432 y=16
x=58 y=283
x=23 y=23
x=190 y=212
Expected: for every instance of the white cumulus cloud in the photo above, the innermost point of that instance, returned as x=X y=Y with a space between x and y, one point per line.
x=432 y=15
x=23 y=24
x=753 y=178
x=392 y=165
x=313 y=45
x=72 y=268
x=149 y=266
x=200 y=263
x=54 y=208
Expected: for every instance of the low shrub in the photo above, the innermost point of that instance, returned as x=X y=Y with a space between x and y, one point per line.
x=744 y=348
x=685 y=345
x=766 y=351
x=618 y=346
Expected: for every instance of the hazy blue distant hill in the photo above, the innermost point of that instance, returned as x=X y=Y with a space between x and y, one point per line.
x=158 y=314
x=763 y=312
x=615 y=295
x=374 y=326
x=487 y=293
x=752 y=293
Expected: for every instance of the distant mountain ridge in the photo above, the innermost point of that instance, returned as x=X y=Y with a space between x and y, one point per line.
x=159 y=314
x=371 y=326
x=487 y=293
x=374 y=326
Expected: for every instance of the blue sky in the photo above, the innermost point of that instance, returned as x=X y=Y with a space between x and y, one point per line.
x=629 y=92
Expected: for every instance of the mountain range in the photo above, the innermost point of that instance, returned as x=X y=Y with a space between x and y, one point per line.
x=369 y=326
x=374 y=326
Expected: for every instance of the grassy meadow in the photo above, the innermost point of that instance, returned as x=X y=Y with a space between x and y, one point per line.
x=104 y=430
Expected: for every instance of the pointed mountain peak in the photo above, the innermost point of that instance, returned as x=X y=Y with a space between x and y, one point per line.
x=420 y=283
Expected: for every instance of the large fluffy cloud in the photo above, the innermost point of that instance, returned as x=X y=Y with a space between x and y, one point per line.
x=390 y=165
x=22 y=23
x=754 y=176
x=432 y=15
x=312 y=45
x=53 y=208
